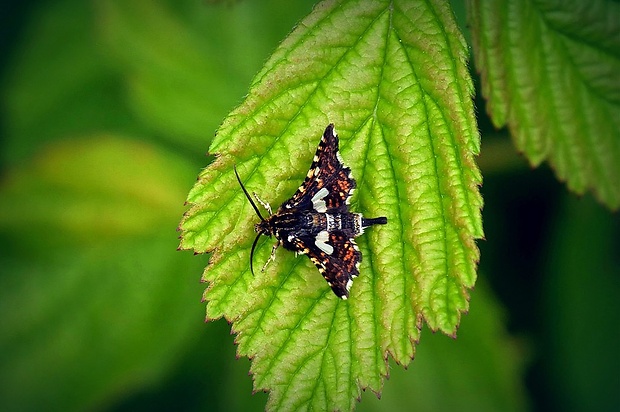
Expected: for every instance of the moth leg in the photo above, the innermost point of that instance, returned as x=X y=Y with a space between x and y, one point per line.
x=272 y=257
x=265 y=204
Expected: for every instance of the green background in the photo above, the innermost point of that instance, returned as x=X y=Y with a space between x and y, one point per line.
x=107 y=110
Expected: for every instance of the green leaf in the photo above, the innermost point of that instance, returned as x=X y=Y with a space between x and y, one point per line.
x=480 y=371
x=96 y=188
x=95 y=300
x=163 y=70
x=393 y=78
x=186 y=64
x=75 y=94
x=550 y=72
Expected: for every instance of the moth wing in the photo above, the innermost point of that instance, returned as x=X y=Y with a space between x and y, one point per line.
x=328 y=184
x=339 y=267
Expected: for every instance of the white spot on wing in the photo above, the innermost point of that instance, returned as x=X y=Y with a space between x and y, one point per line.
x=348 y=200
x=349 y=283
x=318 y=202
x=321 y=242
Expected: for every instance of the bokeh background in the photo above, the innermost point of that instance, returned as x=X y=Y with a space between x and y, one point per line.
x=107 y=109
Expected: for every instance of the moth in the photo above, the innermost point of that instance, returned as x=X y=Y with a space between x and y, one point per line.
x=316 y=221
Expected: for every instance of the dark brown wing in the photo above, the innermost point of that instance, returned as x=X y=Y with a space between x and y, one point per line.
x=328 y=184
x=336 y=256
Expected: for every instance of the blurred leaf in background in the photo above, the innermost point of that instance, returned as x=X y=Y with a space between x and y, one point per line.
x=581 y=309
x=478 y=371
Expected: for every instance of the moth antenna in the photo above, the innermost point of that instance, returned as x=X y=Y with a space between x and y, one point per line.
x=252 y=254
x=249 y=198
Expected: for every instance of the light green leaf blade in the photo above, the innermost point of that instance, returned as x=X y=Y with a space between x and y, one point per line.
x=392 y=76
x=550 y=73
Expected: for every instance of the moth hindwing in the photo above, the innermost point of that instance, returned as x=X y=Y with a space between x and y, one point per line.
x=316 y=220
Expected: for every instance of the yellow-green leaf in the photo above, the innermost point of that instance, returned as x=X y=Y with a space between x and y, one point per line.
x=392 y=76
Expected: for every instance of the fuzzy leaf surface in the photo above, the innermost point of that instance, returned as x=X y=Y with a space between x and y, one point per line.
x=392 y=76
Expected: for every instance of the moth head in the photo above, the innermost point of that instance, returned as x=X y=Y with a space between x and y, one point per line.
x=263 y=228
